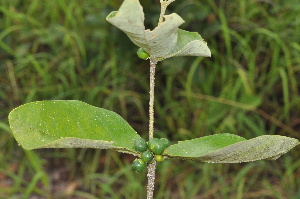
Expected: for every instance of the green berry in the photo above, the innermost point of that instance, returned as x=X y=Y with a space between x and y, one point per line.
x=156 y=146
x=142 y=54
x=138 y=165
x=147 y=156
x=140 y=145
x=165 y=142
x=159 y=158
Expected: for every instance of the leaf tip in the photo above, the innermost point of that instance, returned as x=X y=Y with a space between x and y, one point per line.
x=111 y=15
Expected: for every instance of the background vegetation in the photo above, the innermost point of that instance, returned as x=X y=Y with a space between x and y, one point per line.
x=63 y=49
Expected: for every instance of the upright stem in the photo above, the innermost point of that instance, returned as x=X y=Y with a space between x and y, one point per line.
x=151 y=179
x=151 y=101
x=151 y=166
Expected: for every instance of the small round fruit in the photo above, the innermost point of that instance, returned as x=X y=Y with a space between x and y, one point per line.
x=140 y=145
x=156 y=146
x=147 y=156
x=165 y=142
x=138 y=165
x=142 y=54
x=159 y=158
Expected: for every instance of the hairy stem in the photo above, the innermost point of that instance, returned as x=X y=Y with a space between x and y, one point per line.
x=151 y=179
x=151 y=101
x=151 y=166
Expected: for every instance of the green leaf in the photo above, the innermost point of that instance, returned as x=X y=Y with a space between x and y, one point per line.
x=189 y=44
x=227 y=148
x=165 y=41
x=201 y=146
x=70 y=124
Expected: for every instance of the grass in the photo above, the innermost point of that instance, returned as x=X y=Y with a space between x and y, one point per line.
x=250 y=86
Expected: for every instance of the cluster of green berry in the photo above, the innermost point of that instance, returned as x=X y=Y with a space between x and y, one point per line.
x=155 y=147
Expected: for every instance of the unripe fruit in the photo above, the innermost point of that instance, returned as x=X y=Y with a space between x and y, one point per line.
x=142 y=54
x=138 y=165
x=165 y=142
x=140 y=145
x=147 y=156
x=156 y=146
x=159 y=158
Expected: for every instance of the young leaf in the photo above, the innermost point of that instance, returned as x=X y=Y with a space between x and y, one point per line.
x=70 y=124
x=165 y=41
x=227 y=148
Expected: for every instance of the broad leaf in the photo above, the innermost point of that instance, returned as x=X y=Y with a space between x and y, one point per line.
x=70 y=124
x=189 y=44
x=227 y=148
x=165 y=41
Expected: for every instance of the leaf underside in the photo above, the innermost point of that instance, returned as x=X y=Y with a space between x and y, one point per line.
x=227 y=148
x=70 y=124
x=165 y=41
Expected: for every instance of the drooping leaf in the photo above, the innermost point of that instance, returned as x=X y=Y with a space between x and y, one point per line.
x=130 y=19
x=70 y=124
x=189 y=44
x=165 y=41
x=227 y=148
